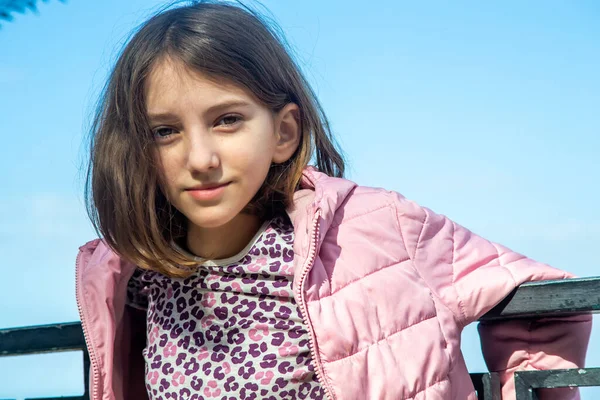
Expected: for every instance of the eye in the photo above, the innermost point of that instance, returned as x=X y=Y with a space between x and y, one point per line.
x=229 y=120
x=163 y=132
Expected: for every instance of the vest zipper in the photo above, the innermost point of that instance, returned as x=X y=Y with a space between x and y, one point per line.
x=300 y=295
x=91 y=353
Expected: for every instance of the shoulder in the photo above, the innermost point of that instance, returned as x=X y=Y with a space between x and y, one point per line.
x=366 y=199
x=96 y=257
x=93 y=252
x=379 y=208
x=374 y=210
x=367 y=204
x=344 y=195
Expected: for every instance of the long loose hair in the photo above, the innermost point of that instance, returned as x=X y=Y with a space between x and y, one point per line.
x=225 y=41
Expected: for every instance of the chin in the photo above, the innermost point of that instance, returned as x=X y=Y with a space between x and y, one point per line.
x=214 y=220
x=209 y=223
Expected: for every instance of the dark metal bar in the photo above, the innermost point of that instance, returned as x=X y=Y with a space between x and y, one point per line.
x=487 y=385
x=558 y=378
x=549 y=298
x=86 y=374
x=41 y=339
x=523 y=390
x=59 y=398
x=47 y=339
x=526 y=382
x=545 y=299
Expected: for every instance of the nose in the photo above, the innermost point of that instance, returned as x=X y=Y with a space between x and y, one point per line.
x=202 y=152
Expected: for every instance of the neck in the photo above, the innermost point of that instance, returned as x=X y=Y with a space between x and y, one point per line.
x=223 y=241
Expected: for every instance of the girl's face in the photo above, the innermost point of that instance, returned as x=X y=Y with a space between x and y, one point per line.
x=215 y=142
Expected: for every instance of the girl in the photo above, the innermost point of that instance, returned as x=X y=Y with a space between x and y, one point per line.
x=229 y=269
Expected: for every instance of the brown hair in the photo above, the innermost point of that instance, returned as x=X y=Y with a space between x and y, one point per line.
x=224 y=41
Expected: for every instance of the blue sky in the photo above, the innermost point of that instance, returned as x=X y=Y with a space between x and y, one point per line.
x=484 y=111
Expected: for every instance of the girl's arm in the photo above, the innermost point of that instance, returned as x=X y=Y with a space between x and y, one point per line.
x=470 y=275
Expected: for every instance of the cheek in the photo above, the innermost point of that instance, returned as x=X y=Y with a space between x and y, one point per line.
x=255 y=164
x=256 y=151
x=168 y=169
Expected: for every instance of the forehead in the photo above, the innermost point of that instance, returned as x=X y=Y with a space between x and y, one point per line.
x=173 y=84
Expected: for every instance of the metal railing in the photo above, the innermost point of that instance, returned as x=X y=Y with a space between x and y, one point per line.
x=536 y=300
x=530 y=300
x=47 y=339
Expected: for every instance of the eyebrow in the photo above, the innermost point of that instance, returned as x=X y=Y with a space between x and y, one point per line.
x=168 y=116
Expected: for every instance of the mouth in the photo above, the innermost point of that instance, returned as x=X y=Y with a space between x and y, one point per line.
x=208 y=191
x=208 y=186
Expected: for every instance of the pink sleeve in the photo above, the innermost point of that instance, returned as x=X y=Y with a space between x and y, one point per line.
x=470 y=275
x=545 y=343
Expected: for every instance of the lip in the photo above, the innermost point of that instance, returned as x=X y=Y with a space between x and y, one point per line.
x=210 y=191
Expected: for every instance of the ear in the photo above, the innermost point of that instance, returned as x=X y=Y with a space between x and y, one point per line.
x=287 y=133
